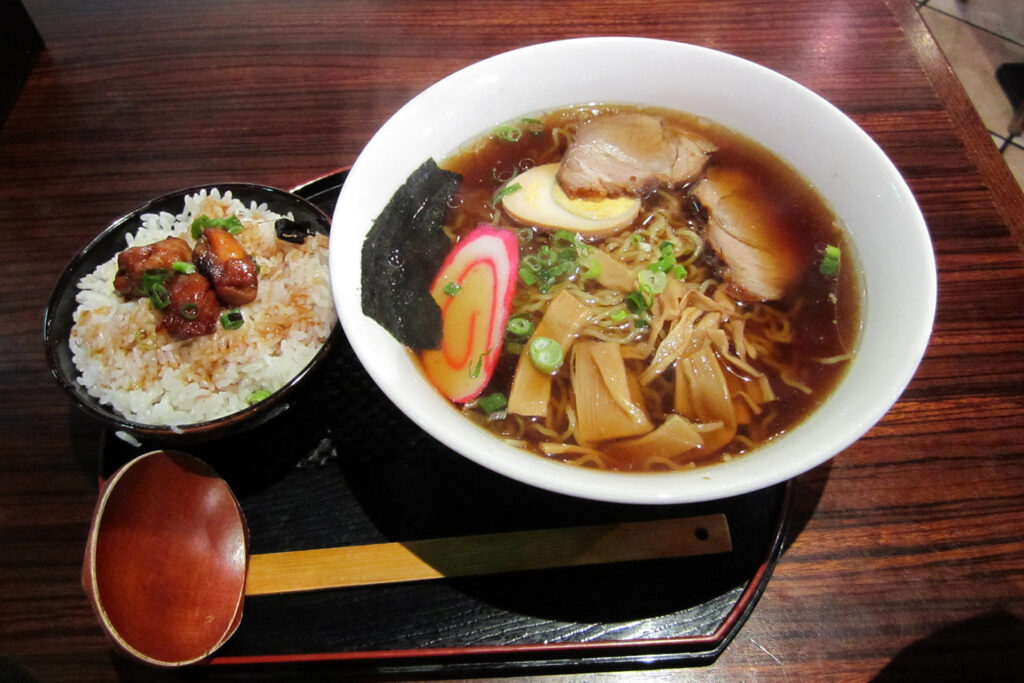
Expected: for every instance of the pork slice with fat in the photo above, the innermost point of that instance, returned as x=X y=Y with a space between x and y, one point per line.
x=761 y=263
x=630 y=154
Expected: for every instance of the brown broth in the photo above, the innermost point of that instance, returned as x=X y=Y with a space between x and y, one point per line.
x=828 y=320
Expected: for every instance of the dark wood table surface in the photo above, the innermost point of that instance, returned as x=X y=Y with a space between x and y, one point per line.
x=906 y=552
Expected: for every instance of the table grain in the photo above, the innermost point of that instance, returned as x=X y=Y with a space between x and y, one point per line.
x=905 y=557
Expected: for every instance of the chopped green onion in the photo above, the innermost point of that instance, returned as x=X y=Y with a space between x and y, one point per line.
x=525 y=234
x=257 y=396
x=618 y=315
x=679 y=272
x=492 y=403
x=519 y=326
x=830 y=261
x=648 y=294
x=232 y=320
x=504 y=192
x=479 y=365
x=547 y=354
x=655 y=281
x=514 y=348
x=189 y=311
x=183 y=267
x=640 y=300
x=452 y=288
x=563 y=258
x=508 y=133
x=565 y=235
x=593 y=270
x=159 y=296
x=533 y=126
x=153 y=276
x=635 y=238
x=667 y=261
x=202 y=222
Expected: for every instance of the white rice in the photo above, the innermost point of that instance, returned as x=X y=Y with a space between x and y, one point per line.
x=153 y=379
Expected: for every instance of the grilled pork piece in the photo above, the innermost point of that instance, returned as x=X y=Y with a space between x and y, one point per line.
x=193 y=309
x=133 y=264
x=630 y=154
x=231 y=270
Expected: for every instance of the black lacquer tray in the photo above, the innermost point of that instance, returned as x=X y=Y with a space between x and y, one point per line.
x=343 y=466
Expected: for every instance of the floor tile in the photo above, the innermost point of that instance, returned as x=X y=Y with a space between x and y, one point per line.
x=974 y=55
x=1002 y=17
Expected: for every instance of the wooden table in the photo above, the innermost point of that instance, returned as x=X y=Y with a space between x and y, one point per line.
x=905 y=557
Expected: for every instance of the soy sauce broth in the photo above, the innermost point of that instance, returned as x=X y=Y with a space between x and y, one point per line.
x=826 y=315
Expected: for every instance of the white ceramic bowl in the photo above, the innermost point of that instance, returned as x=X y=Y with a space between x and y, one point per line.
x=847 y=167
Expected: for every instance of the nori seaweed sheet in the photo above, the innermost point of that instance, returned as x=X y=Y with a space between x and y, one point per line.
x=402 y=254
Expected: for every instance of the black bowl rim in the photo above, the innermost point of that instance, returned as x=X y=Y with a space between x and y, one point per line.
x=231 y=423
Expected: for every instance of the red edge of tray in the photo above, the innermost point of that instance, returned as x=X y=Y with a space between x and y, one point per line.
x=719 y=637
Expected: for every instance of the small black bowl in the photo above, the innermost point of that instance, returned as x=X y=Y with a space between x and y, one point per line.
x=58 y=319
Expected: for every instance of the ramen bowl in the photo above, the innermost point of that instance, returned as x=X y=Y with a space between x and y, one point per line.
x=848 y=170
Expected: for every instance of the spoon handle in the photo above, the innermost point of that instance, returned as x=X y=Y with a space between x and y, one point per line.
x=380 y=563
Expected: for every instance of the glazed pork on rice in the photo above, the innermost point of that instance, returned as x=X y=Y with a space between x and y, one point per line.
x=165 y=346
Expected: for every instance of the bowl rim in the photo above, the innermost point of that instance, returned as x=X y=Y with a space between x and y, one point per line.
x=720 y=480
x=107 y=415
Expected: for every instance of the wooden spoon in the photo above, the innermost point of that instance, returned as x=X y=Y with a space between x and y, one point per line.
x=167 y=565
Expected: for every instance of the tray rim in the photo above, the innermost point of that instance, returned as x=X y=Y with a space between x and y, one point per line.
x=675 y=650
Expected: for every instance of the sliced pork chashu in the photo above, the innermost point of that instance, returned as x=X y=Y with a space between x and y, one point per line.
x=630 y=154
x=749 y=237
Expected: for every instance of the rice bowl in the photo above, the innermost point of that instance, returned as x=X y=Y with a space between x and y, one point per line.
x=110 y=353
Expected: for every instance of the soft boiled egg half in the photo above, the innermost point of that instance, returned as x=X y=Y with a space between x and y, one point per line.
x=541 y=202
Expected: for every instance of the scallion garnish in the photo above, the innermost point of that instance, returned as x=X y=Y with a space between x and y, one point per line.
x=474 y=372
x=527 y=276
x=492 y=403
x=655 y=281
x=183 y=267
x=546 y=354
x=202 y=222
x=533 y=126
x=667 y=259
x=452 y=288
x=159 y=296
x=519 y=326
x=153 y=276
x=232 y=320
x=508 y=133
x=830 y=261
x=640 y=300
x=189 y=311
x=257 y=396
x=514 y=348
x=563 y=258
x=618 y=315
x=505 y=191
